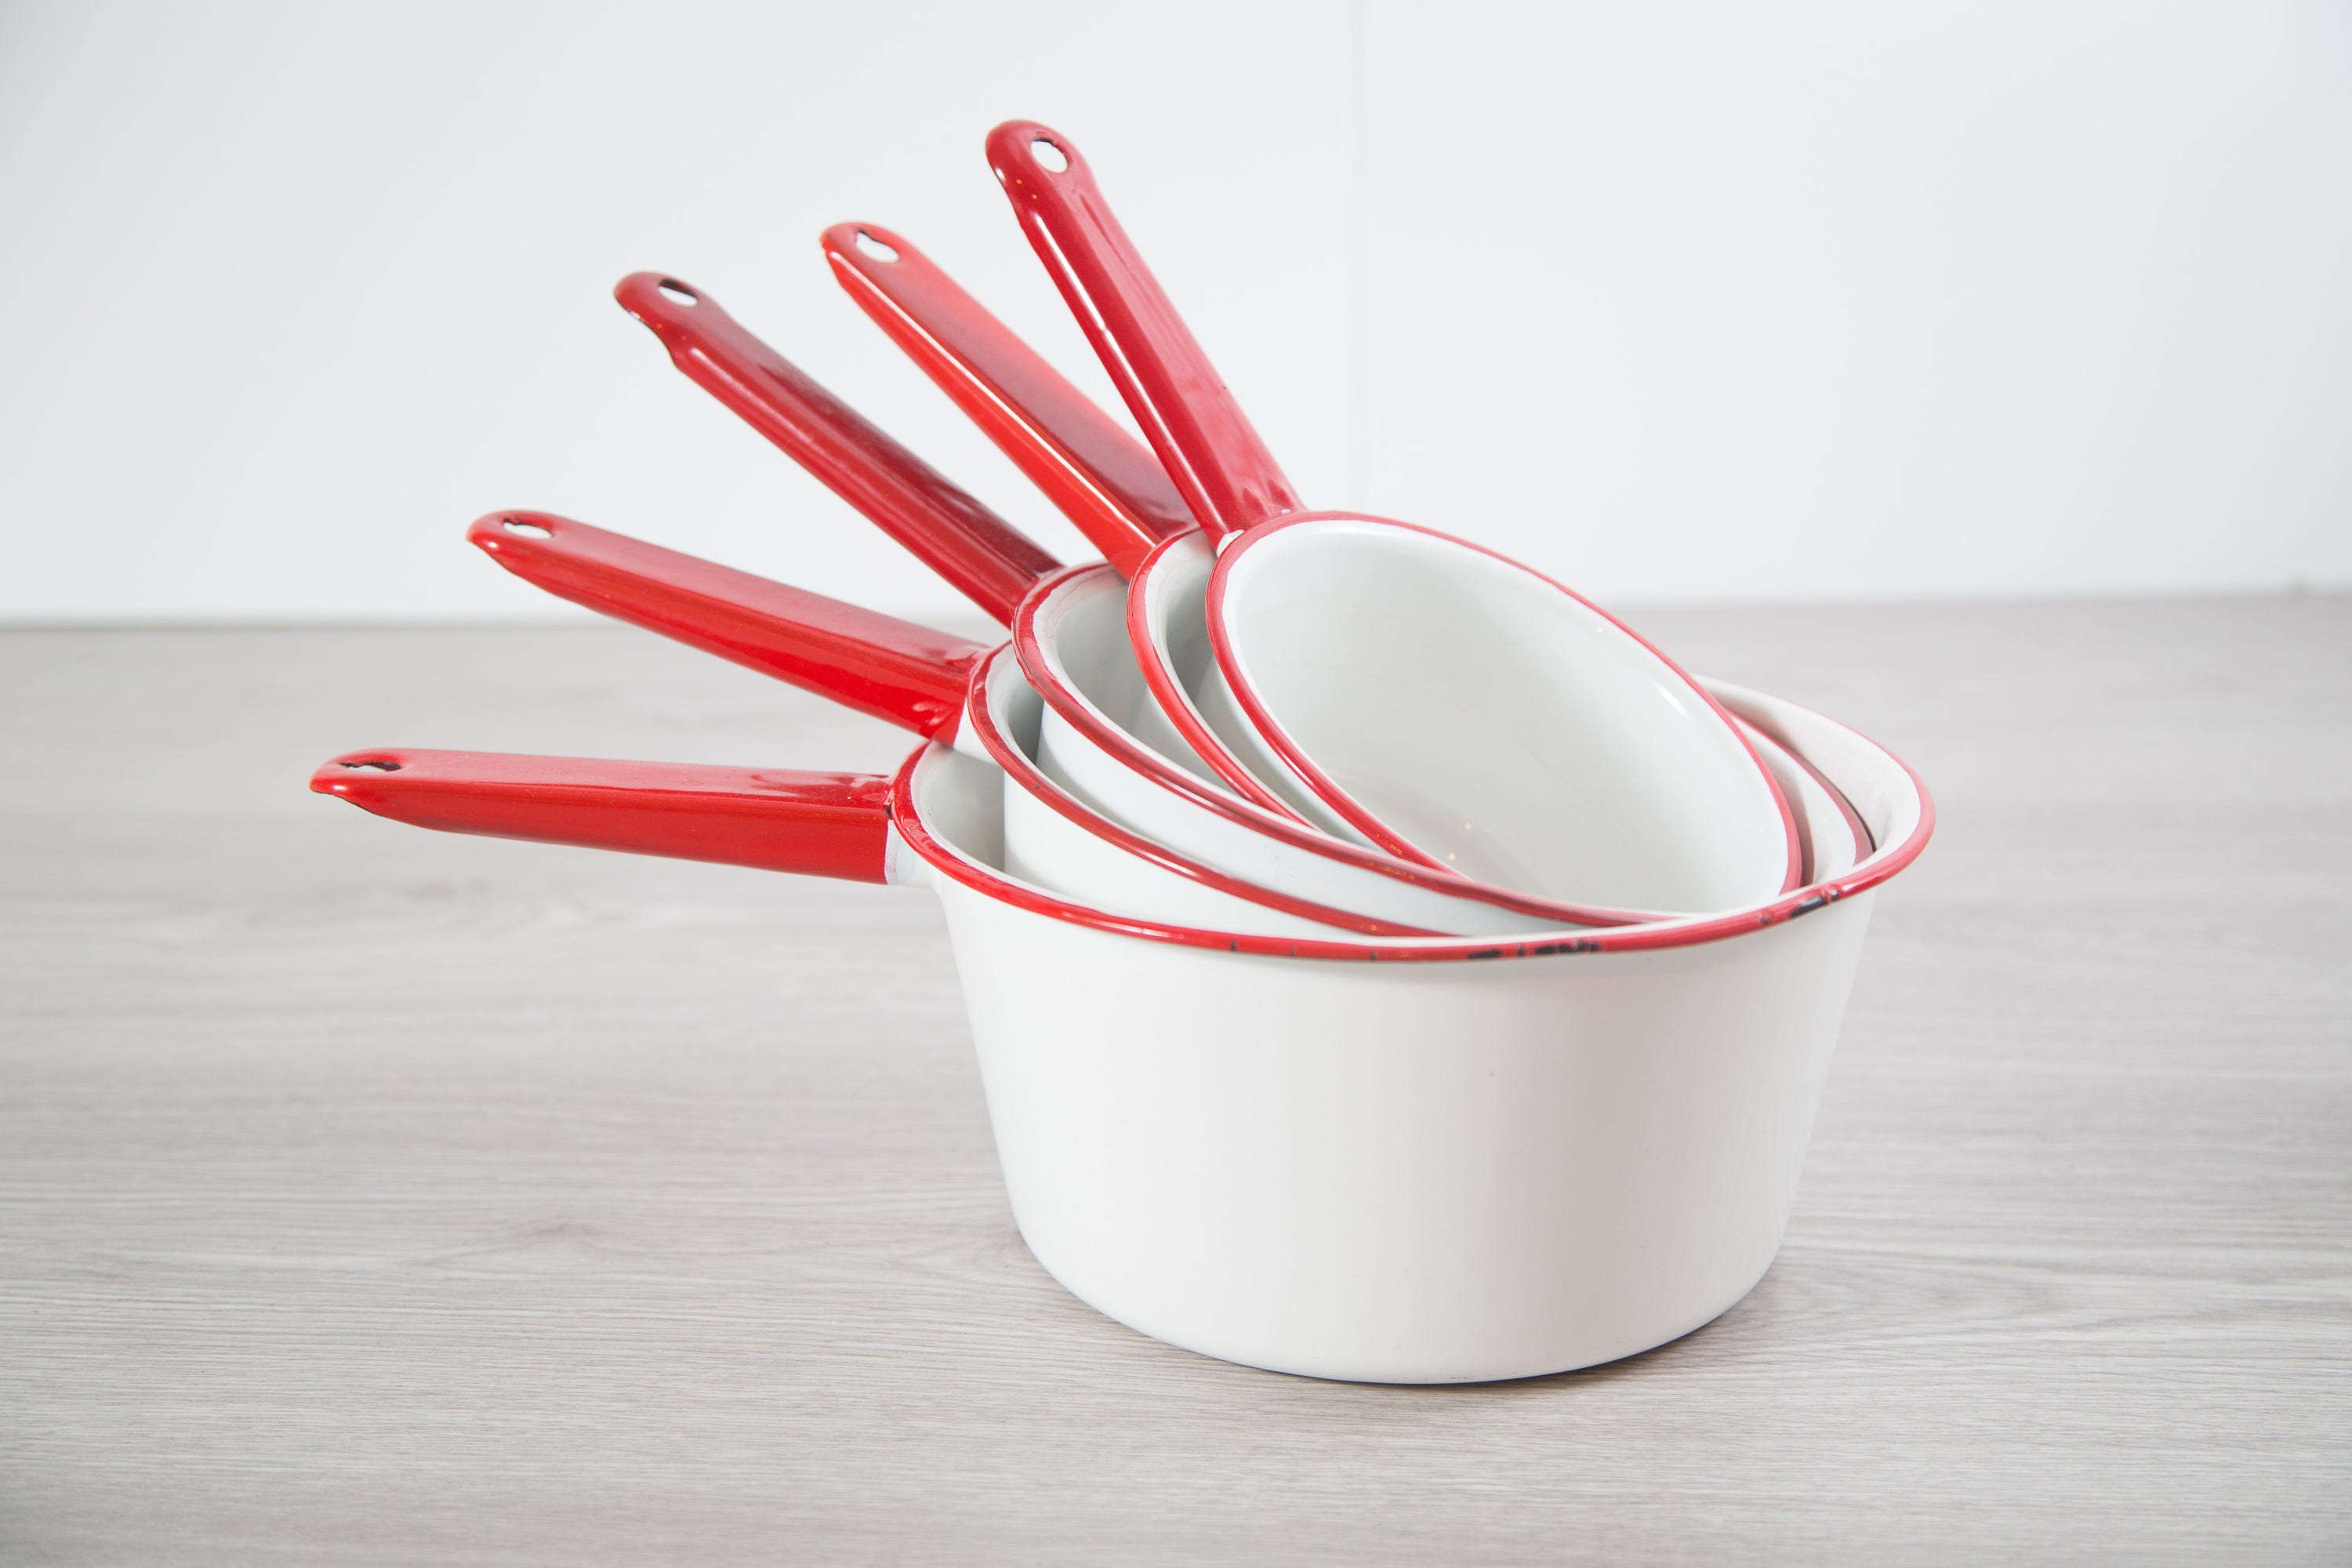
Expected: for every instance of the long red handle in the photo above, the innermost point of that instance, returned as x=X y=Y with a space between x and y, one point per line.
x=816 y=825
x=986 y=558
x=1101 y=477
x=894 y=669
x=1210 y=449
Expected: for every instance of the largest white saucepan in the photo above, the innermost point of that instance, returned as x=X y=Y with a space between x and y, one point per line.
x=1411 y=1159
x=1493 y=1162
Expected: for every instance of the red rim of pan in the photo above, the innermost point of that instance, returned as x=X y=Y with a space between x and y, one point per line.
x=1178 y=705
x=1866 y=843
x=1029 y=643
x=1025 y=775
x=1692 y=933
x=1328 y=790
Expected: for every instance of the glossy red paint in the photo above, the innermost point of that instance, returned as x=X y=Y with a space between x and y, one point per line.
x=772 y=819
x=985 y=558
x=1228 y=477
x=1102 y=478
x=893 y=669
x=1329 y=790
x=1112 y=487
x=948 y=862
x=839 y=824
x=907 y=674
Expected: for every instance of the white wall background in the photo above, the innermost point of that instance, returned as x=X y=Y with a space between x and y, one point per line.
x=1806 y=300
x=1707 y=300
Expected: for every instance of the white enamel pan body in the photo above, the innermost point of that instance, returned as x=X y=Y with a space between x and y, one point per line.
x=1101 y=736
x=1637 y=803
x=1059 y=836
x=1413 y=1171
x=1420 y=1161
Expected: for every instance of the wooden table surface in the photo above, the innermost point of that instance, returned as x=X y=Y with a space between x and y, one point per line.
x=368 y=1196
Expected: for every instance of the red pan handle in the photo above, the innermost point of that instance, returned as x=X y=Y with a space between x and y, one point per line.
x=816 y=825
x=985 y=558
x=1102 y=478
x=1210 y=449
x=911 y=676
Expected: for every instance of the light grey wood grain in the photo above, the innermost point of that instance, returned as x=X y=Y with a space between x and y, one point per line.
x=375 y=1196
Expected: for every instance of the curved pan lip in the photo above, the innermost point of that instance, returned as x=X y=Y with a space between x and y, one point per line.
x=1037 y=662
x=1178 y=704
x=1688 y=932
x=1186 y=715
x=1866 y=843
x=1022 y=772
x=1327 y=789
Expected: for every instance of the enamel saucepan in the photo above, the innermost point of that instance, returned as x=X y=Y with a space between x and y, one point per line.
x=1071 y=640
x=954 y=691
x=1102 y=734
x=1412 y=1161
x=1143 y=789
x=1000 y=569
x=936 y=685
x=1439 y=700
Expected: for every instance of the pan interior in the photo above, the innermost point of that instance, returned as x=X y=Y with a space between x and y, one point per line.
x=1496 y=721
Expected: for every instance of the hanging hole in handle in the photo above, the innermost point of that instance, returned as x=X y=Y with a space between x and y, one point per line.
x=381 y=765
x=527 y=530
x=880 y=250
x=1053 y=157
x=673 y=289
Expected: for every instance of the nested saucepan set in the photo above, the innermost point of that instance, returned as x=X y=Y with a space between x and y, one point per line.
x=1383 y=964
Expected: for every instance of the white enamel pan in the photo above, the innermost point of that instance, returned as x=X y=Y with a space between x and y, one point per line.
x=1102 y=734
x=1430 y=697
x=1303 y=874
x=1011 y=719
x=1072 y=643
x=1108 y=485
x=1422 y=1160
x=931 y=683
x=957 y=692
